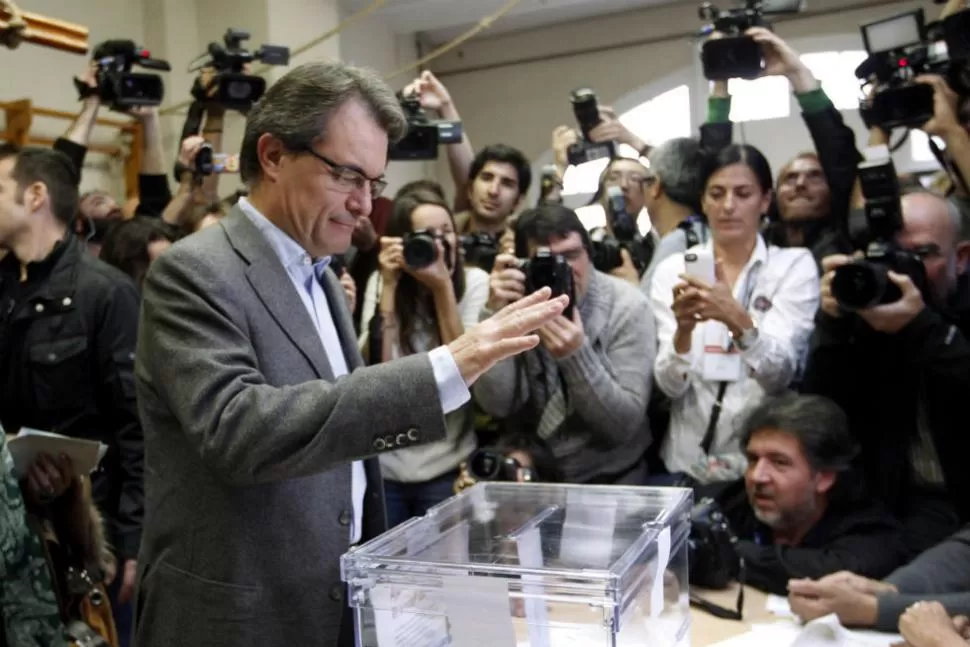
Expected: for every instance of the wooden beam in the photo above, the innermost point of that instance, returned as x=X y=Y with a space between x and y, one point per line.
x=41 y=30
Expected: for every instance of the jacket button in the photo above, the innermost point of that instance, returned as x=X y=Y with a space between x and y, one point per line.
x=344 y=518
x=389 y=440
x=413 y=434
x=51 y=357
x=66 y=302
x=379 y=444
x=337 y=592
x=401 y=440
x=39 y=307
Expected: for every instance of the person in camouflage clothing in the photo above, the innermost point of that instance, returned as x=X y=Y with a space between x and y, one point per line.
x=29 y=615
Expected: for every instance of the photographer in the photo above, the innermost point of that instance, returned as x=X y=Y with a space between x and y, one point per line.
x=806 y=513
x=735 y=335
x=409 y=308
x=814 y=191
x=901 y=371
x=584 y=390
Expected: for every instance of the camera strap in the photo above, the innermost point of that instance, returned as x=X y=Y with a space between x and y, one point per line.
x=717 y=610
x=952 y=170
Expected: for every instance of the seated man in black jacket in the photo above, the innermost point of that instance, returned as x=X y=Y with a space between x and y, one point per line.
x=901 y=372
x=806 y=514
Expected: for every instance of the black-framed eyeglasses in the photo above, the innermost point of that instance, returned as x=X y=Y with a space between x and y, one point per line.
x=348 y=178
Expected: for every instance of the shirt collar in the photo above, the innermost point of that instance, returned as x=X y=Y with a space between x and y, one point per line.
x=758 y=255
x=289 y=252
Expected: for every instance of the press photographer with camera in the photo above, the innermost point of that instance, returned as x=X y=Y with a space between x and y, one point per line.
x=584 y=390
x=801 y=511
x=422 y=297
x=890 y=347
x=734 y=316
x=813 y=194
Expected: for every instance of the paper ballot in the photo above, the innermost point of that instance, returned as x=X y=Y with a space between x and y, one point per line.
x=30 y=443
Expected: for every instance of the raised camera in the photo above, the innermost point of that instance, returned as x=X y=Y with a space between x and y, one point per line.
x=586 y=109
x=736 y=56
x=424 y=135
x=420 y=249
x=546 y=269
x=234 y=88
x=118 y=87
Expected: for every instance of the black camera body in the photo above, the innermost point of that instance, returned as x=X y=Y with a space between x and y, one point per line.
x=118 y=87
x=424 y=135
x=902 y=48
x=586 y=109
x=736 y=56
x=480 y=250
x=712 y=547
x=236 y=90
x=865 y=283
x=420 y=249
x=546 y=269
x=607 y=250
x=488 y=464
x=207 y=161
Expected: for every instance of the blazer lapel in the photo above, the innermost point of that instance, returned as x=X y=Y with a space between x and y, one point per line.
x=275 y=289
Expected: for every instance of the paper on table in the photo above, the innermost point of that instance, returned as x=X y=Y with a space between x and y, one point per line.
x=778 y=606
x=823 y=632
x=29 y=443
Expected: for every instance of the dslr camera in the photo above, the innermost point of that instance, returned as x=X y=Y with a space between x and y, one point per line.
x=736 y=56
x=424 y=135
x=712 y=547
x=608 y=248
x=586 y=109
x=421 y=249
x=546 y=269
x=118 y=87
x=234 y=89
x=902 y=48
x=865 y=283
x=480 y=250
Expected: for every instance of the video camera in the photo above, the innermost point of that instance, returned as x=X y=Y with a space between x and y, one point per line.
x=480 y=250
x=424 y=135
x=736 y=56
x=902 y=48
x=865 y=283
x=421 y=248
x=118 y=87
x=586 y=109
x=208 y=162
x=234 y=89
x=546 y=269
x=607 y=249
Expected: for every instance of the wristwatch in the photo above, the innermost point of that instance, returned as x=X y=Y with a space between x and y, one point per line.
x=747 y=338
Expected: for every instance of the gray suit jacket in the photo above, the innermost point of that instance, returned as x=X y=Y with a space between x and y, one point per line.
x=248 y=443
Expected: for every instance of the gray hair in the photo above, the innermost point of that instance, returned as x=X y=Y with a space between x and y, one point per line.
x=819 y=424
x=297 y=108
x=679 y=166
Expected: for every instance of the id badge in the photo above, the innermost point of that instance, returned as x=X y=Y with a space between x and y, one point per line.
x=721 y=362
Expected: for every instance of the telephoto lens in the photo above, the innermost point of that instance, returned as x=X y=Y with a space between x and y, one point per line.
x=420 y=249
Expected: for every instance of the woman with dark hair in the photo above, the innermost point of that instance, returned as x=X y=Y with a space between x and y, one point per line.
x=132 y=245
x=411 y=310
x=739 y=333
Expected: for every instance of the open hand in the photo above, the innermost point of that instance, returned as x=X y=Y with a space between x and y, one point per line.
x=508 y=332
x=431 y=92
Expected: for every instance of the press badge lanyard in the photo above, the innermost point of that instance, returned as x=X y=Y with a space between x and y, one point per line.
x=721 y=363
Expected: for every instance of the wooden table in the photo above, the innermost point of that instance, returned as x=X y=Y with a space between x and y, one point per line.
x=707 y=630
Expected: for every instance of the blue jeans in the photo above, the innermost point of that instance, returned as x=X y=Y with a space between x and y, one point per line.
x=406 y=500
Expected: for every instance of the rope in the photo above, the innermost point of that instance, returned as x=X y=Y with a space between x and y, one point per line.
x=482 y=25
x=12 y=35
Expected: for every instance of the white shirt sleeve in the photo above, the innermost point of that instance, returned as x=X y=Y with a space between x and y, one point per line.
x=671 y=370
x=371 y=293
x=785 y=327
x=475 y=297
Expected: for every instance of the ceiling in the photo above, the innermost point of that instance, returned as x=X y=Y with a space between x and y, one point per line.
x=443 y=20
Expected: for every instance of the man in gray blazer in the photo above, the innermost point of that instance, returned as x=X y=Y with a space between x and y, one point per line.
x=257 y=426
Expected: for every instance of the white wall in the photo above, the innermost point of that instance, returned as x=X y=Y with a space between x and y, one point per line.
x=514 y=87
x=44 y=75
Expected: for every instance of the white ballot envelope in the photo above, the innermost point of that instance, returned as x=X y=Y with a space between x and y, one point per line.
x=26 y=446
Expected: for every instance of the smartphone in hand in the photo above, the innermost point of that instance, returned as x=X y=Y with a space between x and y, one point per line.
x=699 y=264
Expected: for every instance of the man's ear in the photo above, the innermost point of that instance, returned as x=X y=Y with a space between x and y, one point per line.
x=963 y=256
x=35 y=196
x=824 y=481
x=270 y=153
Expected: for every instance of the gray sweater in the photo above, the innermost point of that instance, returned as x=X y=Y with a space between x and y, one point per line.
x=941 y=574
x=608 y=381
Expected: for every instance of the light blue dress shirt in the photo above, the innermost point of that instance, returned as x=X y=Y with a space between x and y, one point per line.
x=306 y=274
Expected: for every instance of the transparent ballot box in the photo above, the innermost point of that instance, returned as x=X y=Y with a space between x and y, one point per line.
x=537 y=565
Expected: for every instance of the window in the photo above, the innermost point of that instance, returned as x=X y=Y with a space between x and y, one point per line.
x=664 y=117
x=836 y=72
x=766 y=98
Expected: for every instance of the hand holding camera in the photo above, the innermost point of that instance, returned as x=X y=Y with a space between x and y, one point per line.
x=888 y=317
x=426 y=257
x=189 y=150
x=506 y=283
x=430 y=92
x=563 y=336
x=611 y=129
x=390 y=261
x=781 y=60
x=944 y=122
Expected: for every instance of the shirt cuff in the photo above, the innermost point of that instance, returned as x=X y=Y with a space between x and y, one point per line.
x=452 y=390
x=718 y=110
x=814 y=101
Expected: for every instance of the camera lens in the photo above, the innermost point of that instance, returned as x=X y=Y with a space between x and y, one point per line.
x=485 y=465
x=420 y=250
x=859 y=285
